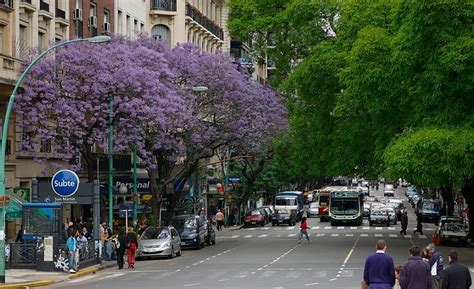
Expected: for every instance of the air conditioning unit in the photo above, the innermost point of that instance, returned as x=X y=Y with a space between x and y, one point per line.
x=106 y=27
x=78 y=14
x=93 y=21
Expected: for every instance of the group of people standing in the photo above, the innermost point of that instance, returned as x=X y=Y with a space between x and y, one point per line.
x=423 y=270
x=77 y=242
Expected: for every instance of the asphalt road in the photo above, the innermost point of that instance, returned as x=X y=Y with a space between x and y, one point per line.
x=269 y=257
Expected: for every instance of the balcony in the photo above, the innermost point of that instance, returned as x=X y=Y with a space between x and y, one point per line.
x=61 y=17
x=6 y=5
x=163 y=7
x=44 y=13
x=196 y=15
x=27 y=6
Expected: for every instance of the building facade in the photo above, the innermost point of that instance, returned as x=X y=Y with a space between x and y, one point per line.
x=90 y=18
x=130 y=17
x=202 y=22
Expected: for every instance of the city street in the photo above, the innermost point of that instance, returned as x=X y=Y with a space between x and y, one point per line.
x=269 y=257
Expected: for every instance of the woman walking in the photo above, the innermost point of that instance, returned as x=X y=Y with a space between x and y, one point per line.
x=303 y=230
x=132 y=245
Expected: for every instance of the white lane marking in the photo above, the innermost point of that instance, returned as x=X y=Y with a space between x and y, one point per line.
x=248 y=236
x=290 y=228
x=235 y=236
x=311 y=284
x=266 y=228
x=408 y=236
x=393 y=235
x=422 y=237
x=189 y=285
x=80 y=279
x=349 y=235
x=328 y=228
x=429 y=229
x=334 y=235
x=251 y=229
x=222 y=280
x=316 y=228
x=378 y=235
x=350 y=253
x=391 y=228
x=378 y=228
x=262 y=236
x=365 y=228
x=333 y=279
x=364 y=235
x=291 y=235
x=113 y=275
x=353 y=228
x=340 y=228
x=320 y=235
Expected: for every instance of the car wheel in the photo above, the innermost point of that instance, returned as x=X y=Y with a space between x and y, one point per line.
x=262 y=224
x=278 y=224
x=179 y=252
x=273 y=224
x=198 y=244
x=214 y=241
x=370 y=224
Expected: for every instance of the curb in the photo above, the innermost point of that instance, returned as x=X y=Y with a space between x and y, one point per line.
x=87 y=271
x=28 y=284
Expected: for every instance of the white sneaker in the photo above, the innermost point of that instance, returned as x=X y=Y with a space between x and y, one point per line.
x=72 y=271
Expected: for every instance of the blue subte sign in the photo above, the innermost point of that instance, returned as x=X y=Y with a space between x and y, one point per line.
x=65 y=183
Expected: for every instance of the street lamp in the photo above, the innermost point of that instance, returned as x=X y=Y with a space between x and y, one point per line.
x=97 y=39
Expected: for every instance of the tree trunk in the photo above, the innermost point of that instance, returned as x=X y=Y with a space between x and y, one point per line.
x=448 y=198
x=246 y=195
x=467 y=191
x=156 y=196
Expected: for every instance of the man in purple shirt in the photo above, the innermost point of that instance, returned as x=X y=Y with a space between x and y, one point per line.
x=379 y=270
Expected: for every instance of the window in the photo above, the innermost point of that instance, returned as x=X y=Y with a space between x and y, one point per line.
x=142 y=27
x=41 y=40
x=93 y=10
x=23 y=45
x=129 y=24
x=79 y=4
x=161 y=32
x=135 y=26
x=120 y=22
x=106 y=16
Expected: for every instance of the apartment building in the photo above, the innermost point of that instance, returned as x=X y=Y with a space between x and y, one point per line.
x=130 y=17
x=90 y=18
x=202 y=22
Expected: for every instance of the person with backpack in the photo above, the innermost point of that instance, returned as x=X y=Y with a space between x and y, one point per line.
x=71 y=245
x=132 y=245
x=119 y=244
x=303 y=230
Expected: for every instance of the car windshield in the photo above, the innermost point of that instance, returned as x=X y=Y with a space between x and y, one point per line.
x=430 y=206
x=155 y=233
x=281 y=201
x=323 y=199
x=182 y=224
x=379 y=213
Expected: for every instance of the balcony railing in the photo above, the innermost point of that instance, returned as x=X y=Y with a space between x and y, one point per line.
x=7 y=3
x=26 y=1
x=204 y=21
x=60 y=13
x=44 y=6
x=163 y=5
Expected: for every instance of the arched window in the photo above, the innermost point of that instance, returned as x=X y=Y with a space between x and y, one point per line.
x=161 y=32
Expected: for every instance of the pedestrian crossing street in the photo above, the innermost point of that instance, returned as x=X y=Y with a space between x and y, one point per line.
x=321 y=235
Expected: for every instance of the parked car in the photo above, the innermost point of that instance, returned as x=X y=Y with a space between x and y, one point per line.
x=159 y=242
x=210 y=237
x=388 y=192
x=379 y=215
x=453 y=233
x=254 y=217
x=392 y=214
x=313 y=209
x=284 y=217
x=268 y=214
x=191 y=230
x=270 y=210
x=430 y=211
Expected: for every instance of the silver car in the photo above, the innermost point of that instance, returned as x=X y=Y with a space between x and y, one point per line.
x=159 y=242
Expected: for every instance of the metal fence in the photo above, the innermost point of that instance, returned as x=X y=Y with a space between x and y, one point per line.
x=22 y=255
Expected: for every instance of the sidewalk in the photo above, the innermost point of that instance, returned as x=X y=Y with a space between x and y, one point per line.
x=23 y=278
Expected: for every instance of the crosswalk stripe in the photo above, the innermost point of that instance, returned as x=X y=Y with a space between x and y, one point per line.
x=391 y=228
x=291 y=235
x=290 y=228
x=252 y=229
x=408 y=236
x=328 y=228
x=235 y=236
x=262 y=236
x=393 y=235
x=248 y=236
x=422 y=237
x=349 y=235
x=266 y=228
x=320 y=235
x=365 y=228
x=334 y=235
x=340 y=228
x=364 y=235
x=378 y=228
x=353 y=228
x=378 y=235
x=316 y=228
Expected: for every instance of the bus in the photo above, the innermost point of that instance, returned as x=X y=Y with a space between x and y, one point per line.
x=290 y=201
x=346 y=207
x=322 y=198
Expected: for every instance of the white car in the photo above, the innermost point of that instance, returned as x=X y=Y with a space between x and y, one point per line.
x=313 y=209
x=388 y=192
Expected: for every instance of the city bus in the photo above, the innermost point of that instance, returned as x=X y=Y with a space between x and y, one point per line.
x=346 y=207
x=322 y=199
x=290 y=201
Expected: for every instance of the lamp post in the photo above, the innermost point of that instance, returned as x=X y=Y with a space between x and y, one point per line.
x=97 y=39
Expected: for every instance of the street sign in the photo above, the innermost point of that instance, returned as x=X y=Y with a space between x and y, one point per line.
x=65 y=183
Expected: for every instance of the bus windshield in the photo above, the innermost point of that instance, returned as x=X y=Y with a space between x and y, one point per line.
x=344 y=206
x=285 y=201
x=324 y=199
